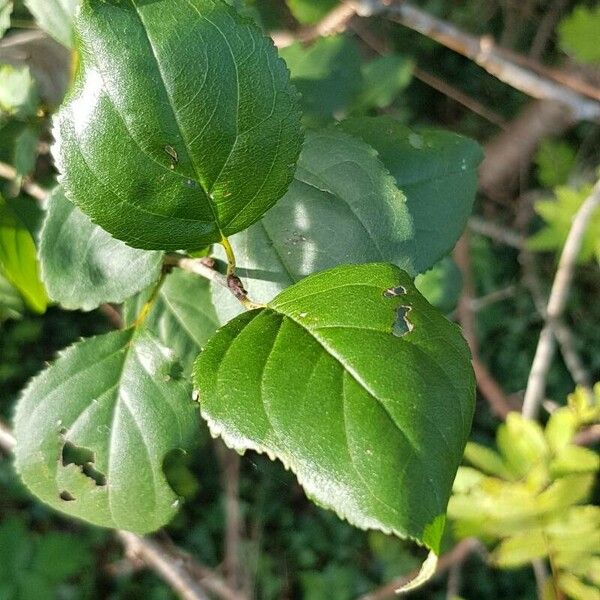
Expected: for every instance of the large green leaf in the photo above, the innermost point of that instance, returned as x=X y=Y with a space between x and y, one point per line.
x=94 y=429
x=83 y=266
x=18 y=261
x=181 y=126
x=436 y=170
x=55 y=17
x=358 y=385
x=182 y=316
x=344 y=207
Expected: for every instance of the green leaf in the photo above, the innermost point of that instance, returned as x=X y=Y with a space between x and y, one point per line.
x=94 y=429
x=522 y=444
x=578 y=34
x=182 y=316
x=83 y=266
x=328 y=76
x=309 y=12
x=358 y=385
x=55 y=17
x=437 y=172
x=181 y=126
x=441 y=285
x=384 y=78
x=555 y=161
x=18 y=261
x=558 y=215
x=487 y=460
x=18 y=92
x=521 y=549
x=343 y=207
x=6 y=8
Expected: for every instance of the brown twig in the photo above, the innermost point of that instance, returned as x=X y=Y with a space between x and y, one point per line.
x=536 y=384
x=28 y=186
x=498 y=402
x=457 y=555
x=484 y=52
x=378 y=45
x=230 y=477
x=546 y=28
x=113 y=316
x=588 y=437
x=496 y=232
x=337 y=20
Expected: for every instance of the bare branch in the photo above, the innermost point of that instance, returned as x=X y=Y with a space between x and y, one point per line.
x=484 y=52
x=230 y=477
x=536 y=385
x=496 y=232
x=337 y=20
x=172 y=571
x=497 y=400
x=30 y=187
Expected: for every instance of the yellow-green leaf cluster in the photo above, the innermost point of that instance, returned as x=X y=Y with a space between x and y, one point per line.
x=558 y=215
x=525 y=498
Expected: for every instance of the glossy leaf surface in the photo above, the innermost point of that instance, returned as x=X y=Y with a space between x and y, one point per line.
x=83 y=266
x=436 y=171
x=358 y=385
x=345 y=207
x=94 y=428
x=18 y=260
x=181 y=125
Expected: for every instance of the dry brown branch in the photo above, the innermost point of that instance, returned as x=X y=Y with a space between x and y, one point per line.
x=559 y=294
x=496 y=232
x=336 y=21
x=29 y=187
x=230 y=478
x=508 y=155
x=546 y=28
x=588 y=437
x=456 y=556
x=484 y=52
x=498 y=401
x=375 y=42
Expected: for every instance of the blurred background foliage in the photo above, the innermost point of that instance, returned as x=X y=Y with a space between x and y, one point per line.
x=291 y=548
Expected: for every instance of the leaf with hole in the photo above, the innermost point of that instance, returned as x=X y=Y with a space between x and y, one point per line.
x=83 y=266
x=181 y=126
x=94 y=429
x=358 y=385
